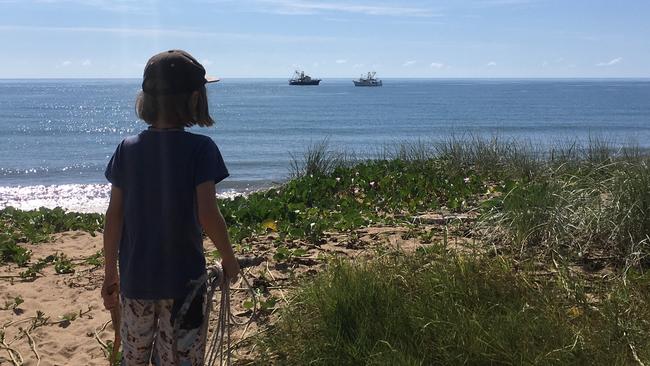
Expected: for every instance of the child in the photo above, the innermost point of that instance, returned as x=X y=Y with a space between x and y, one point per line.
x=162 y=194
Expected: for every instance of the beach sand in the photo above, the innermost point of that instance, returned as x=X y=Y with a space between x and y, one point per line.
x=77 y=342
x=66 y=343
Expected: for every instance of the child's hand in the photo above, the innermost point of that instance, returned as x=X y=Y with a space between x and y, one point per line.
x=111 y=292
x=231 y=268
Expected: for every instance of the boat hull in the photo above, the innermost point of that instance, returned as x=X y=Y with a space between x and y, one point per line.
x=297 y=82
x=363 y=83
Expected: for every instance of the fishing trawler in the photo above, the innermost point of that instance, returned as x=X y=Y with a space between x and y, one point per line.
x=299 y=78
x=368 y=80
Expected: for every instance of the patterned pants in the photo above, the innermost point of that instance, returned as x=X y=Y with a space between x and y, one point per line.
x=148 y=332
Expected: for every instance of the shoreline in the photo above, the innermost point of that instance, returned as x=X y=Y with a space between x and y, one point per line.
x=82 y=198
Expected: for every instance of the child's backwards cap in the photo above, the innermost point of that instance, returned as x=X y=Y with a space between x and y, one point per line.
x=174 y=72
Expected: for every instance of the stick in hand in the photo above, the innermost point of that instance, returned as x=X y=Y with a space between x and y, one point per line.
x=116 y=317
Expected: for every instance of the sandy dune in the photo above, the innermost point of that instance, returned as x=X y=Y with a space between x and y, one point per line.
x=76 y=295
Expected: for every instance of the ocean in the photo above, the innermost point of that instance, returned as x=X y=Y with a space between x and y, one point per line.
x=56 y=136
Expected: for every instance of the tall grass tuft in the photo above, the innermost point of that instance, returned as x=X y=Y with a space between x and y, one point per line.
x=496 y=157
x=411 y=151
x=317 y=160
x=439 y=309
x=584 y=201
x=629 y=210
x=599 y=150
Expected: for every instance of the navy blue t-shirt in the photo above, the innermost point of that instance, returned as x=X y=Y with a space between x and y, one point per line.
x=161 y=248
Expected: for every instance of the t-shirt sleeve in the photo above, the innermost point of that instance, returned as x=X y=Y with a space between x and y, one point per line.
x=113 y=172
x=210 y=165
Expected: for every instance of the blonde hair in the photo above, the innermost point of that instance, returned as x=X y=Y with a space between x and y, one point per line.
x=178 y=106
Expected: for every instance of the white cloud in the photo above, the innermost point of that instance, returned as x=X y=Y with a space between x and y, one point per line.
x=437 y=65
x=341 y=61
x=554 y=62
x=610 y=62
x=341 y=20
x=66 y=63
x=206 y=62
x=301 y=7
x=409 y=63
x=86 y=63
x=356 y=66
x=160 y=32
x=109 y=5
x=491 y=64
x=489 y=3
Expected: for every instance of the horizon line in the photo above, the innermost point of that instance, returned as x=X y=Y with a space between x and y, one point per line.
x=223 y=78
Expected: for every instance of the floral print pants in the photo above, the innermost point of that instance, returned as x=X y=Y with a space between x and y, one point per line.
x=147 y=331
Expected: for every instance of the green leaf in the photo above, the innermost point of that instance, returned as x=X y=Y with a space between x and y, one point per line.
x=300 y=252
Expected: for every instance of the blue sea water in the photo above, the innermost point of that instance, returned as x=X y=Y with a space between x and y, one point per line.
x=57 y=135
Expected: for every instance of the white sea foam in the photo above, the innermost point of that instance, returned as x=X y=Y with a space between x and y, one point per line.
x=72 y=197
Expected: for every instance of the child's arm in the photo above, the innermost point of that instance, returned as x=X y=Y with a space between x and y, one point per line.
x=215 y=227
x=112 y=235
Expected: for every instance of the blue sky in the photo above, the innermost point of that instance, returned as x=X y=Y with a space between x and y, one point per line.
x=329 y=38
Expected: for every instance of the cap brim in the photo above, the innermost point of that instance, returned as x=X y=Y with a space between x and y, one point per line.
x=211 y=79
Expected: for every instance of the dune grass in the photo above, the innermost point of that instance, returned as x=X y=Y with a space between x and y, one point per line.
x=592 y=207
x=439 y=308
x=333 y=191
x=566 y=205
x=569 y=200
x=572 y=200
